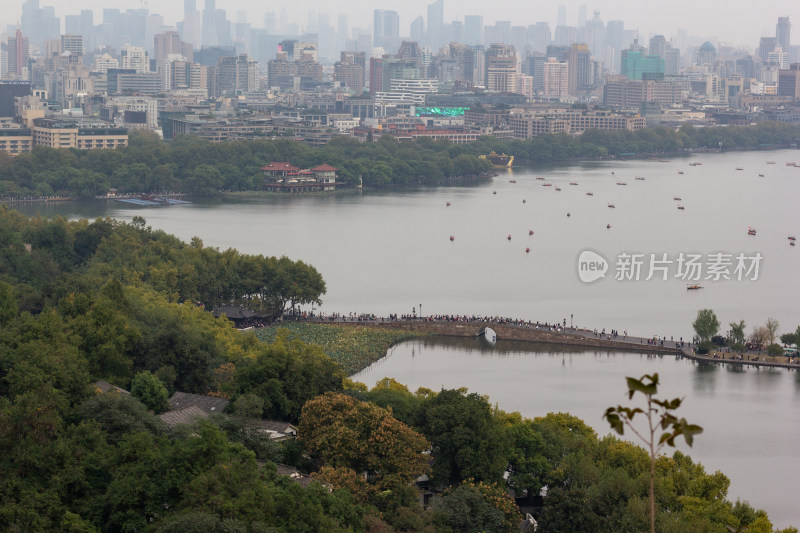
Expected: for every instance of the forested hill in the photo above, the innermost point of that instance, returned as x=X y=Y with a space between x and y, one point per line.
x=105 y=300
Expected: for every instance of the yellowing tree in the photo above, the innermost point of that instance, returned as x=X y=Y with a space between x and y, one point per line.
x=342 y=432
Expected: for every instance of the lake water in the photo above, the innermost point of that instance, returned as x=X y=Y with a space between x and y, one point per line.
x=750 y=416
x=390 y=252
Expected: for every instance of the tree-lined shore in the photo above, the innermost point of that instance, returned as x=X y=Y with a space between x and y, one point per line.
x=191 y=165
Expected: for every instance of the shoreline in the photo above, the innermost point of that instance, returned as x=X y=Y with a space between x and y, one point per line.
x=537 y=335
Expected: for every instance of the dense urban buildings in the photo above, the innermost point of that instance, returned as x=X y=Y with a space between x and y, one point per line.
x=210 y=76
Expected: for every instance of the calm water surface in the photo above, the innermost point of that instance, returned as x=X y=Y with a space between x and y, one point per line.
x=751 y=417
x=389 y=251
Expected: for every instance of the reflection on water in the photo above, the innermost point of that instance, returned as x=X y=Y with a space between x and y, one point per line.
x=750 y=416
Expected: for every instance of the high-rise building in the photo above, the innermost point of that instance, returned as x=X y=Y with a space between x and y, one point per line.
x=418 y=29
x=672 y=59
x=236 y=74
x=556 y=78
x=789 y=81
x=18 y=52
x=636 y=65
x=765 y=46
x=582 y=16
x=562 y=15
x=209 y=25
x=657 y=45
x=72 y=43
x=473 y=29
x=168 y=43
x=539 y=36
x=386 y=29
x=707 y=54
x=580 y=71
x=782 y=33
x=435 y=24
x=502 y=69
x=349 y=71
x=135 y=58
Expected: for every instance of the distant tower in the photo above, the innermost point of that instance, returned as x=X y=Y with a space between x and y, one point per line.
x=782 y=31
x=562 y=15
x=18 y=53
x=209 y=24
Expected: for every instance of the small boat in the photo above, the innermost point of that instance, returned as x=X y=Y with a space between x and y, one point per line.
x=452 y=237
x=677 y=198
x=524 y=200
x=447 y=204
x=760 y=174
x=512 y=181
x=791 y=243
x=568 y=215
x=694 y=164
x=792 y=238
x=558 y=188
x=527 y=250
x=621 y=183
x=680 y=172
x=791 y=164
x=612 y=172
x=573 y=182
x=611 y=205
x=640 y=178
x=494 y=192
x=751 y=231
x=539 y=178
x=530 y=232
x=509 y=237
x=693 y=287
x=681 y=207
x=770 y=162
x=739 y=168
x=589 y=194
x=608 y=226
x=547 y=184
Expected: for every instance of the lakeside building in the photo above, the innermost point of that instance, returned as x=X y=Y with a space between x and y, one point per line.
x=284 y=177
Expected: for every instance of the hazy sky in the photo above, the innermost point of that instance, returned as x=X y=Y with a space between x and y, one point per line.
x=730 y=22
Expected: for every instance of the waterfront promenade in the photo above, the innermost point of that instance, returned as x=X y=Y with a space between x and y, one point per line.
x=551 y=334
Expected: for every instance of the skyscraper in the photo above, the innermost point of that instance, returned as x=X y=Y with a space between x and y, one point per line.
x=435 y=24
x=562 y=15
x=657 y=45
x=580 y=69
x=209 y=24
x=18 y=52
x=386 y=29
x=473 y=29
x=782 y=33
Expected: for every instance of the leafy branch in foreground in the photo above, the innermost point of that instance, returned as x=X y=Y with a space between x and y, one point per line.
x=659 y=418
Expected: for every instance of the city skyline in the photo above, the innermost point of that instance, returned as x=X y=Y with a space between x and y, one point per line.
x=712 y=20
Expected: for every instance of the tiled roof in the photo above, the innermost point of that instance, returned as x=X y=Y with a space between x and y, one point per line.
x=280 y=165
x=209 y=404
x=105 y=386
x=183 y=416
x=325 y=168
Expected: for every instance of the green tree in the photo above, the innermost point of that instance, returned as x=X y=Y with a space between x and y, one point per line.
x=706 y=324
x=737 y=336
x=658 y=414
x=466 y=439
x=149 y=390
x=477 y=508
